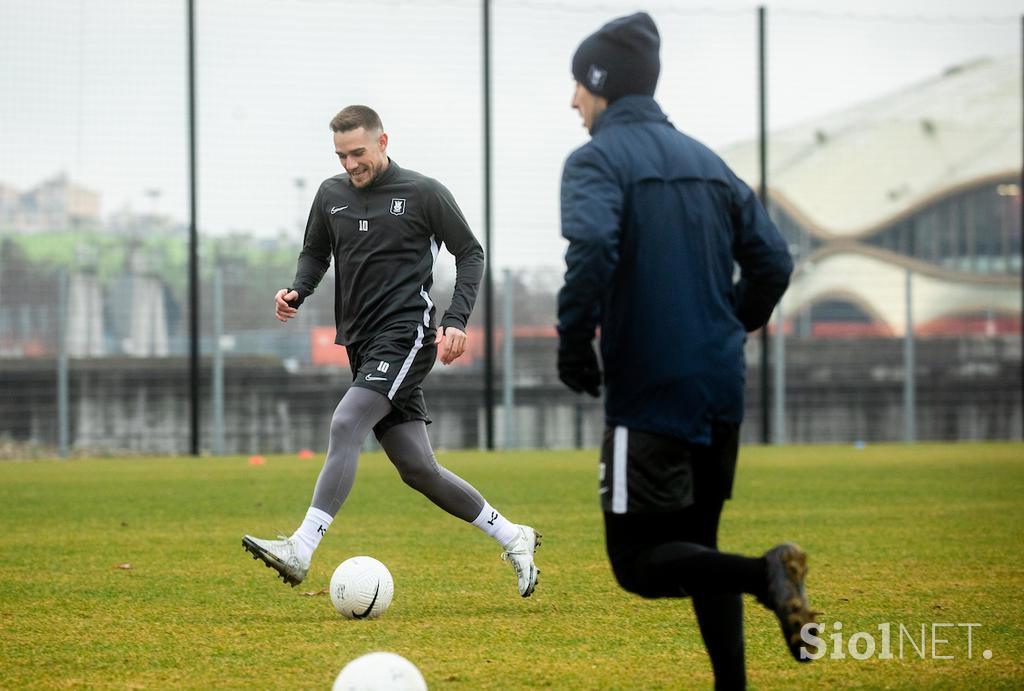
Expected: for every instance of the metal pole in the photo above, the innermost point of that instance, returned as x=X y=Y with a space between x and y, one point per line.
x=62 y=362
x=217 y=385
x=763 y=195
x=577 y=440
x=193 y=241
x=779 y=408
x=488 y=282
x=909 y=428
x=508 y=364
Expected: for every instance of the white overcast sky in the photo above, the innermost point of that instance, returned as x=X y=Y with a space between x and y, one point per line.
x=97 y=88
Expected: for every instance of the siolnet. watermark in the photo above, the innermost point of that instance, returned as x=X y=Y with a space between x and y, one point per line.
x=893 y=641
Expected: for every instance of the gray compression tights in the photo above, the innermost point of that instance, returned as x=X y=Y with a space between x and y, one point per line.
x=406 y=445
x=359 y=410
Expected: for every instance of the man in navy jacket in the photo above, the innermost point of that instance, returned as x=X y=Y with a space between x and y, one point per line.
x=656 y=225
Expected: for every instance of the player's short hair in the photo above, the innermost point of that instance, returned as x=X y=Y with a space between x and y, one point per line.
x=354 y=117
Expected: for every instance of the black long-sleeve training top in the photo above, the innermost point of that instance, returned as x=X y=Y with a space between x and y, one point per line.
x=384 y=239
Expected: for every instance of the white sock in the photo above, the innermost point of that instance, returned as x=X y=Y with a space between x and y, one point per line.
x=314 y=527
x=496 y=525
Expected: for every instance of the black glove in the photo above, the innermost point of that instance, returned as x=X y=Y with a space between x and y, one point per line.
x=578 y=368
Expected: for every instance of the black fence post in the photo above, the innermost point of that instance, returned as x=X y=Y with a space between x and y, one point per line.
x=193 y=241
x=488 y=283
x=763 y=195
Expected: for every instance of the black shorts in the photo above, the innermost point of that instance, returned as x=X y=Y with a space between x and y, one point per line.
x=394 y=363
x=642 y=472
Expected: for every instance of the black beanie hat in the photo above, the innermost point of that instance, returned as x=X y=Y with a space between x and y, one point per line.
x=620 y=58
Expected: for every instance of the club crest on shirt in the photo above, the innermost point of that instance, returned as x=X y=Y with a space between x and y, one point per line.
x=398 y=207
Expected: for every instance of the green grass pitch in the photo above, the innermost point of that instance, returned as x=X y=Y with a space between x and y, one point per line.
x=911 y=535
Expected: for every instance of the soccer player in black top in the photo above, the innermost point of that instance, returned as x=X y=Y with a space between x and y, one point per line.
x=383 y=226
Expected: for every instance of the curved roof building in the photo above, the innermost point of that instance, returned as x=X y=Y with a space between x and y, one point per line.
x=924 y=179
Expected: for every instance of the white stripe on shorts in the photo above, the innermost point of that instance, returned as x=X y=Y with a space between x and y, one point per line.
x=620 y=488
x=419 y=333
x=408 y=362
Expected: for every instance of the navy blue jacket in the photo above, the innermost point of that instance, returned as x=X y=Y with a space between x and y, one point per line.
x=656 y=224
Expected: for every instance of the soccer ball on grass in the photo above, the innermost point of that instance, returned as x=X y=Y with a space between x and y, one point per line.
x=362 y=588
x=380 y=672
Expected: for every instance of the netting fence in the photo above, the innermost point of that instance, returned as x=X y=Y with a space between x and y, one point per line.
x=894 y=168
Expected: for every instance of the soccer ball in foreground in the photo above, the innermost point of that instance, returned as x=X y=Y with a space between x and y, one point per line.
x=380 y=672
x=362 y=588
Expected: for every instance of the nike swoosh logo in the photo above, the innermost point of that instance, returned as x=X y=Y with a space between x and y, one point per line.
x=357 y=615
x=370 y=377
x=336 y=209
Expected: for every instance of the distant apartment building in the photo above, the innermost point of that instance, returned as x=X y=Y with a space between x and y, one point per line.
x=54 y=204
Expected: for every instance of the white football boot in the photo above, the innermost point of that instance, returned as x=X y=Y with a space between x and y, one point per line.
x=520 y=552
x=285 y=556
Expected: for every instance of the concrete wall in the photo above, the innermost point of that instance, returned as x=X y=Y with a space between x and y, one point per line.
x=837 y=392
